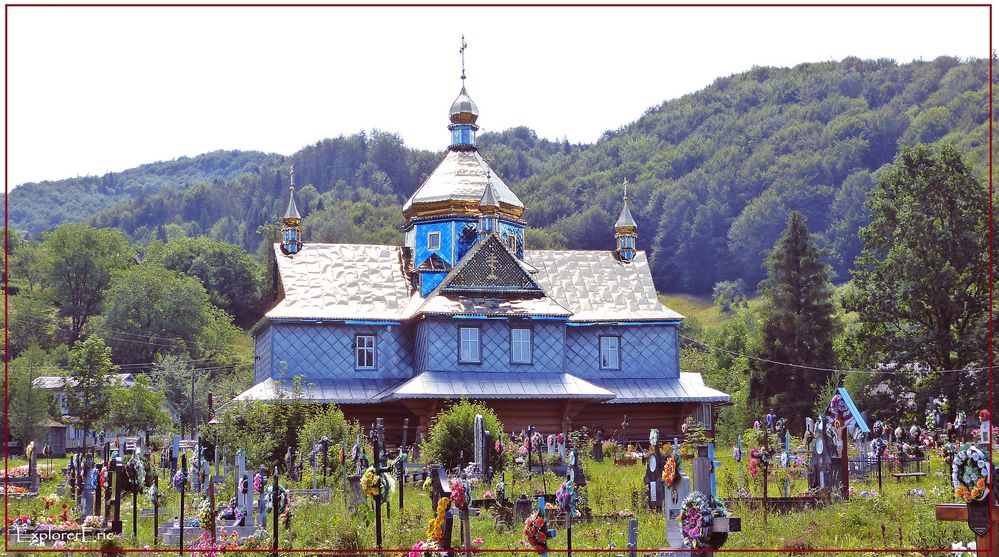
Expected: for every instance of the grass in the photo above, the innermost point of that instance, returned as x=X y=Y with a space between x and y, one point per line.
x=894 y=518
x=700 y=307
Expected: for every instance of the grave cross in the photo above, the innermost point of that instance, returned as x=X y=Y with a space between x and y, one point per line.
x=654 y=473
x=987 y=542
x=400 y=462
x=377 y=437
x=714 y=465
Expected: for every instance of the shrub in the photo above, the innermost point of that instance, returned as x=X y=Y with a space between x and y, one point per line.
x=331 y=423
x=453 y=433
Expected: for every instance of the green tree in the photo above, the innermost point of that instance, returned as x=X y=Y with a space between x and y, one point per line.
x=921 y=280
x=730 y=294
x=32 y=321
x=453 y=433
x=798 y=325
x=137 y=409
x=89 y=385
x=80 y=261
x=28 y=405
x=229 y=274
x=152 y=310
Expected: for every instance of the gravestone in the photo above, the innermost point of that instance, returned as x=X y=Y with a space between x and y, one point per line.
x=598 y=446
x=478 y=442
x=654 y=473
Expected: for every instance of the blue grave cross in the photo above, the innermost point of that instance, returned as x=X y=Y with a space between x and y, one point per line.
x=786 y=461
x=714 y=464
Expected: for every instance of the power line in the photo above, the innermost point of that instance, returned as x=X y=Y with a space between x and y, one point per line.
x=814 y=368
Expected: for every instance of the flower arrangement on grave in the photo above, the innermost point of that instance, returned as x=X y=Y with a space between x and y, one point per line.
x=696 y=515
x=244 y=485
x=537 y=532
x=258 y=483
x=970 y=473
x=461 y=491
x=435 y=528
x=102 y=477
x=205 y=514
x=155 y=496
x=372 y=482
x=501 y=491
x=566 y=498
x=737 y=454
x=670 y=474
x=550 y=440
x=283 y=509
x=499 y=446
x=758 y=459
x=232 y=511
x=135 y=470
x=204 y=546
x=179 y=479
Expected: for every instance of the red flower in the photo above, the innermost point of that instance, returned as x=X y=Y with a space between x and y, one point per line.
x=64 y=505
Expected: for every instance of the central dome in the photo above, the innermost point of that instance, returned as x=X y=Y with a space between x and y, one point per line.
x=463 y=109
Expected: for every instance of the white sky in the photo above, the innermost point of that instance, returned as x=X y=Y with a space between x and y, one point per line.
x=93 y=90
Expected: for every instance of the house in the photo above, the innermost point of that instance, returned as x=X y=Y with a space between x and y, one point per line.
x=72 y=436
x=549 y=338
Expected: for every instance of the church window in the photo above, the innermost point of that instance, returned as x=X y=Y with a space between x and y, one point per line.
x=511 y=241
x=468 y=339
x=364 y=352
x=433 y=241
x=610 y=352
x=520 y=346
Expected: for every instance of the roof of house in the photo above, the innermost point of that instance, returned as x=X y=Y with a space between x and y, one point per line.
x=369 y=282
x=462 y=176
x=55 y=382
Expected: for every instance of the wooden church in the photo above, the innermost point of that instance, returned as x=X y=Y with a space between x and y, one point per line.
x=549 y=338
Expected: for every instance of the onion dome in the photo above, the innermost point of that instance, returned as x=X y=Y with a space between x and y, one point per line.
x=463 y=109
x=625 y=234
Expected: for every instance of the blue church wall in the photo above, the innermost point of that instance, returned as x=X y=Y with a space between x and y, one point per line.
x=429 y=281
x=326 y=350
x=262 y=356
x=446 y=251
x=645 y=350
x=507 y=229
x=437 y=345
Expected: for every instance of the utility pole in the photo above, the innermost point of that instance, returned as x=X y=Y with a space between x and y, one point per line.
x=192 y=403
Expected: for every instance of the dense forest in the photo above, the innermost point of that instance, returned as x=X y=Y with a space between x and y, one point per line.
x=713 y=173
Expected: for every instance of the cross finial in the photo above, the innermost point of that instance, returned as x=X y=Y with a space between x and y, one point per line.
x=464 y=45
x=625 y=189
x=292 y=178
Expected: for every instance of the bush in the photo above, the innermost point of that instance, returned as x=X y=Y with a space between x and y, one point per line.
x=452 y=434
x=331 y=423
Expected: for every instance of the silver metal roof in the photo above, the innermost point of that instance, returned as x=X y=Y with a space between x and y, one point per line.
x=489 y=196
x=358 y=391
x=292 y=212
x=689 y=387
x=342 y=281
x=595 y=286
x=55 y=382
x=486 y=385
x=462 y=175
x=464 y=105
x=359 y=281
x=625 y=219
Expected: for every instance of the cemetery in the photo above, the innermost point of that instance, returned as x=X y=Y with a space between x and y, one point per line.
x=535 y=491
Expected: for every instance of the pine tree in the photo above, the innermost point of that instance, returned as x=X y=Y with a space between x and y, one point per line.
x=798 y=325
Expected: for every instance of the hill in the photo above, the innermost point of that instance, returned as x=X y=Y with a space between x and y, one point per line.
x=40 y=206
x=713 y=173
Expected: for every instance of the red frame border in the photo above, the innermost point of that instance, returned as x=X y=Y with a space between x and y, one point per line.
x=6 y=433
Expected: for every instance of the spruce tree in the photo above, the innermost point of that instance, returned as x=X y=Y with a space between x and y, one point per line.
x=798 y=325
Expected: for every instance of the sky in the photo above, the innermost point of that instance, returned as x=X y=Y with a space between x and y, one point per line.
x=99 y=89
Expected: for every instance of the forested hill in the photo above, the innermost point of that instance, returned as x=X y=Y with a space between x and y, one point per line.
x=713 y=173
x=40 y=206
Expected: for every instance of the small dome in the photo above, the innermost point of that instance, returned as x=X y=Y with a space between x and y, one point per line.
x=463 y=110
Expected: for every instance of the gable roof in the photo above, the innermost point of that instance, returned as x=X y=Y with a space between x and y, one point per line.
x=490 y=268
x=342 y=281
x=596 y=286
x=368 y=282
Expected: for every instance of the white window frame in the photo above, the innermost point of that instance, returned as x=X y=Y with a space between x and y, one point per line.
x=433 y=237
x=364 y=344
x=521 y=345
x=610 y=352
x=511 y=242
x=469 y=345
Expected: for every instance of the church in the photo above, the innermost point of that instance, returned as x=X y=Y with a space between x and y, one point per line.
x=546 y=338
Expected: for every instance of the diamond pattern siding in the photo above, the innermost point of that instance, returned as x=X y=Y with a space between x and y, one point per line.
x=326 y=351
x=441 y=340
x=262 y=356
x=646 y=351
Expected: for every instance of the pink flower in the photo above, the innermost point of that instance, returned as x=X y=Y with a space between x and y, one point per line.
x=477 y=541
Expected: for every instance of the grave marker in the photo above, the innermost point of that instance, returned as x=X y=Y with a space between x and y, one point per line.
x=654 y=473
